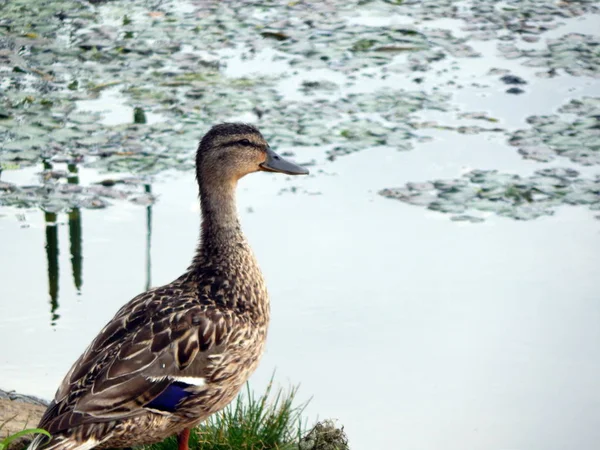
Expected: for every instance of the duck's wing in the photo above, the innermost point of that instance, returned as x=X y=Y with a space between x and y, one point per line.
x=147 y=357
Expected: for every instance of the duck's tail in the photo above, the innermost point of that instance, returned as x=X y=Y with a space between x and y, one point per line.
x=62 y=443
x=37 y=441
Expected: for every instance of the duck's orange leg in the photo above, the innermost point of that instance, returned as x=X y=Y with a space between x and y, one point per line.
x=183 y=439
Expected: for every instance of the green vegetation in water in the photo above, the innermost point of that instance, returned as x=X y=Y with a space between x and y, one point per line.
x=521 y=198
x=556 y=135
x=363 y=45
x=139 y=116
x=190 y=92
x=574 y=53
x=39 y=115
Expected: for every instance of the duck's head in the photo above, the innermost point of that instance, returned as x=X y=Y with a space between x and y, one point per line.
x=231 y=150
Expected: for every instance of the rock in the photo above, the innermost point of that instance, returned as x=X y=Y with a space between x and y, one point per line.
x=515 y=90
x=324 y=436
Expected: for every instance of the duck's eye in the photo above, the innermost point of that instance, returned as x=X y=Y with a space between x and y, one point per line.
x=245 y=143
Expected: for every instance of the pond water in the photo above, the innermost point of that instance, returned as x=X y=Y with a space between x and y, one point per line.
x=413 y=330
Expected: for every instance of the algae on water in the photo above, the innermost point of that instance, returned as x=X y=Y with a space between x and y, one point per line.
x=169 y=65
x=513 y=196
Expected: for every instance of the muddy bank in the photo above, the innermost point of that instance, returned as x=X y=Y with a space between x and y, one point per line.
x=19 y=412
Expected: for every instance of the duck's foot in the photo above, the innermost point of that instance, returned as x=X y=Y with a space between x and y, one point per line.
x=183 y=439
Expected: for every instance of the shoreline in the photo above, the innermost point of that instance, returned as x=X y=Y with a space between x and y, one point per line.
x=19 y=412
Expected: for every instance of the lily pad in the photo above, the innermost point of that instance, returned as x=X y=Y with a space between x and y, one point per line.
x=577 y=54
x=513 y=196
x=550 y=136
x=175 y=63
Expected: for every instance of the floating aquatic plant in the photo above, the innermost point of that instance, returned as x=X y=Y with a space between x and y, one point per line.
x=159 y=58
x=521 y=198
x=554 y=135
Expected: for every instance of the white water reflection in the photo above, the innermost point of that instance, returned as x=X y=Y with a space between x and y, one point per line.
x=449 y=334
x=116 y=112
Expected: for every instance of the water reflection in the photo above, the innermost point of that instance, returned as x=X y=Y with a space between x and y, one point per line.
x=75 y=234
x=148 y=190
x=76 y=247
x=52 y=258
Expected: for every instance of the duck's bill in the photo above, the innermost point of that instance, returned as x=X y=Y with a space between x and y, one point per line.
x=276 y=163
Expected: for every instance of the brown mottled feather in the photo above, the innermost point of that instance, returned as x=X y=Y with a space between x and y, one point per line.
x=210 y=323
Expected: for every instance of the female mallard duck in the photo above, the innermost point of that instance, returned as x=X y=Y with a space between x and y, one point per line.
x=178 y=353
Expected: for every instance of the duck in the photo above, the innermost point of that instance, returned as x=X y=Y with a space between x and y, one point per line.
x=176 y=354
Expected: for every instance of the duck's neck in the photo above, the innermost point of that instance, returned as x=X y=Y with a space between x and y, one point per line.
x=220 y=224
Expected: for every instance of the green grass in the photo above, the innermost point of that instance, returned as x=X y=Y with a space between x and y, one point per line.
x=268 y=422
x=7 y=440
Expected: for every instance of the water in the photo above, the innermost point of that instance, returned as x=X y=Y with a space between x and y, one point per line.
x=413 y=331
x=110 y=102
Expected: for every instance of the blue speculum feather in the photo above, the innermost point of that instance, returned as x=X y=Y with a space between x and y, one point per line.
x=170 y=397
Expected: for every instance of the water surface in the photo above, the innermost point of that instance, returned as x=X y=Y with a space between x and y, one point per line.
x=414 y=331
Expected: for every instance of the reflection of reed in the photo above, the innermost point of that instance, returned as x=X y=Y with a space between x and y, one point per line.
x=52 y=250
x=52 y=256
x=73 y=177
x=76 y=248
x=148 y=190
x=75 y=234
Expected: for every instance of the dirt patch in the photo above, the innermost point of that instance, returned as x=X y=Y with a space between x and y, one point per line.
x=19 y=412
